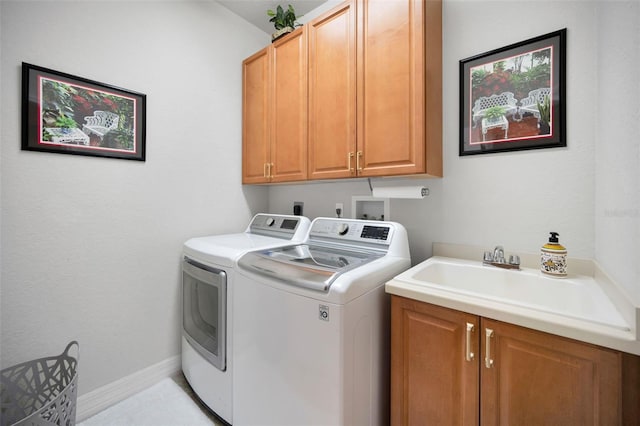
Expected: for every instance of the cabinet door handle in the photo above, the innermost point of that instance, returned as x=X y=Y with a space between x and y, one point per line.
x=270 y=171
x=349 y=160
x=264 y=170
x=358 y=157
x=488 y=362
x=470 y=355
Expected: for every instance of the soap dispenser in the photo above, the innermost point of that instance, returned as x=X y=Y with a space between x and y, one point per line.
x=553 y=257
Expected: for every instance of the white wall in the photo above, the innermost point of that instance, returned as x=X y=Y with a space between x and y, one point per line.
x=91 y=246
x=618 y=151
x=515 y=199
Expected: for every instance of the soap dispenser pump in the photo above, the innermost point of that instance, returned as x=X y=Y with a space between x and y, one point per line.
x=553 y=257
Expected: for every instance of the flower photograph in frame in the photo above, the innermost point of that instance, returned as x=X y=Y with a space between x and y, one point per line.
x=62 y=113
x=513 y=98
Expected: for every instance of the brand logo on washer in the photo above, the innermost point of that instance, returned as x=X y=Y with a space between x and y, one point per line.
x=323 y=312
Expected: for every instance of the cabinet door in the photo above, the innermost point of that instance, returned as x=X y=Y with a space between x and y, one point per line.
x=537 y=378
x=391 y=93
x=332 y=94
x=255 y=117
x=288 y=132
x=434 y=368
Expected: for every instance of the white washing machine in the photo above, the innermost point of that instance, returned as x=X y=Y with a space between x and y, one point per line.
x=311 y=326
x=207 y=292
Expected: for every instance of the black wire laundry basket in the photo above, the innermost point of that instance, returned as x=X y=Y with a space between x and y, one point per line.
x=42 y=392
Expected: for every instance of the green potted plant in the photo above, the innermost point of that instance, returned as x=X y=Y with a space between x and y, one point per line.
x=283 y=21
x=65 y=123
x=544 y=109
x=494 y=113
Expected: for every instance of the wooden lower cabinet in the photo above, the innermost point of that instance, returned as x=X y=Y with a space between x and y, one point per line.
x=538 y=378
x=453 y=368
x=430 y=383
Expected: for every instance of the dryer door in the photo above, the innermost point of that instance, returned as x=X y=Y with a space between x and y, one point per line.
x=204 y=311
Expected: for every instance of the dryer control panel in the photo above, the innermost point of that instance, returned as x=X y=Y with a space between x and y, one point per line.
x=281 y=226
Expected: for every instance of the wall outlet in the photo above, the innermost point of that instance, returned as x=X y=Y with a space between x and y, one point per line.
x=297 y=208
x=339 y=209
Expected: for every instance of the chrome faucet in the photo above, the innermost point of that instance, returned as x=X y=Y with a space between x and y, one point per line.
x=498 y=254
x=497 y=259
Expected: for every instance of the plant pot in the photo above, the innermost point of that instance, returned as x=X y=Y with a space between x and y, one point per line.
x=281 y=33
x=543 y=128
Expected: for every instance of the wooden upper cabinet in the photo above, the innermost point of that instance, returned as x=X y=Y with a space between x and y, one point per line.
x=332 y=93
x=255 y=117
x=375 y=89
x=288 y=132
x=400 y=87
x=373 y=103
x=274 y=112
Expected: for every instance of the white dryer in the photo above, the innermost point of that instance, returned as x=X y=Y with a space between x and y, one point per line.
x=207 y=292
x=311 y=326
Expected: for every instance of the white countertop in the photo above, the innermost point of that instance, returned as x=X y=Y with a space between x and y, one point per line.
x=585 y=306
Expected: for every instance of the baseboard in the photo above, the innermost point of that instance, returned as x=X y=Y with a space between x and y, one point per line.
x=108 y=395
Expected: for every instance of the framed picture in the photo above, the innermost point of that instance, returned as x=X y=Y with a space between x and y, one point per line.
x=513 y=98
x=65 y=114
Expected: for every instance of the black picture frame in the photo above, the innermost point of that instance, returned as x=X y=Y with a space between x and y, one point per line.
x=504 y=95
x=66 y=114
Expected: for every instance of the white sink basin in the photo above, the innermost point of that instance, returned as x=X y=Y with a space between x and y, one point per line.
x=577 y=297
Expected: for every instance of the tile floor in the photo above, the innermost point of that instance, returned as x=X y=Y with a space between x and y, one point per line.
x=171 y=402
x=182 y=382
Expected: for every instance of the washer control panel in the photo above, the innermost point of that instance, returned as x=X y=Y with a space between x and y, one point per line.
x=353 y=230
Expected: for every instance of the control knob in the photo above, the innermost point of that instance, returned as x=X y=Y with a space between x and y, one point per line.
x=270 y=221
x=343 y=228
